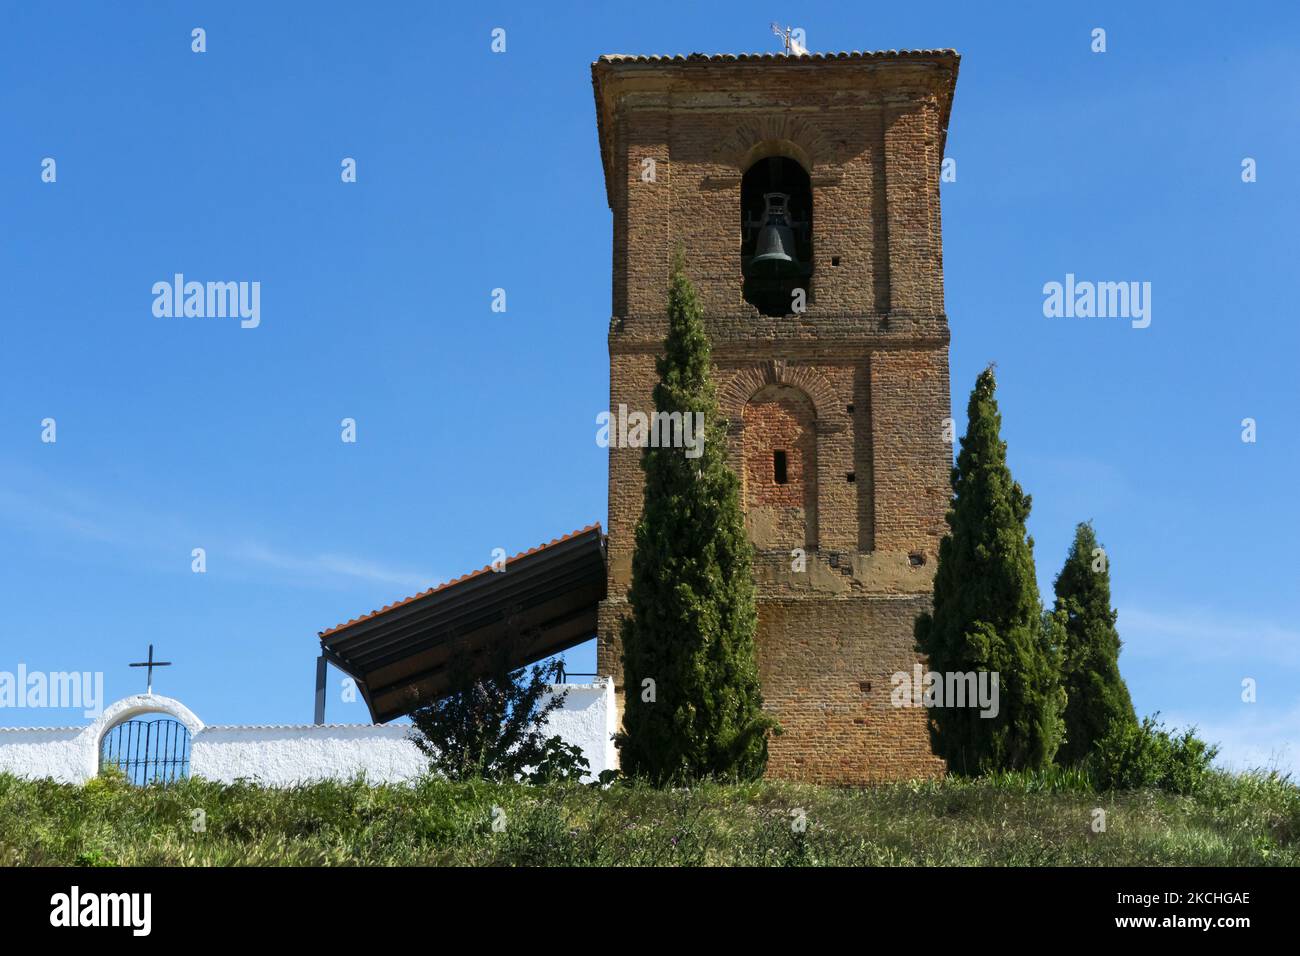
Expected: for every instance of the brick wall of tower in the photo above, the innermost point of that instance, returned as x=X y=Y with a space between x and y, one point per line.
x=825 y=666
x=864 y=373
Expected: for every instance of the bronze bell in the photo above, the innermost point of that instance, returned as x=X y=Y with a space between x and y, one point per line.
x=774 y=248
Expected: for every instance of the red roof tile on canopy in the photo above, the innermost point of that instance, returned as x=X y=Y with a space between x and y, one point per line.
x=545 y=599
x=464 y=577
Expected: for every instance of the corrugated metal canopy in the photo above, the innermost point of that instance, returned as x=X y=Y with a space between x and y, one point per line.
x=544 y=601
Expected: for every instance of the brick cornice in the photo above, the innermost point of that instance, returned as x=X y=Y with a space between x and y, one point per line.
x=736 y=83
x=746 y=337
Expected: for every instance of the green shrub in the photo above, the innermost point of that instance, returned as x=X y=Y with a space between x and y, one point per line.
x=1136 y=756
x=93 y=858
x=1263 y=802
x=1050 y=779
x=491 y=723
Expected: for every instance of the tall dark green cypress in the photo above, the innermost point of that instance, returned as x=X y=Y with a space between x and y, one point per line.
x=693 y=704
x=1097 y=696
x=987 y=615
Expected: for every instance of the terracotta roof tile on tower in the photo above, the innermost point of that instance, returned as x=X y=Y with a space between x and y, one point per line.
x=727 y=57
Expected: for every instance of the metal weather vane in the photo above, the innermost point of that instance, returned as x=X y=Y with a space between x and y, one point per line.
x=793 y=44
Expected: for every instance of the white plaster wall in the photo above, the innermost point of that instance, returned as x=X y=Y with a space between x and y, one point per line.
x=587 y=719
x=284 y=756
x=71 y=754
x=54 y=752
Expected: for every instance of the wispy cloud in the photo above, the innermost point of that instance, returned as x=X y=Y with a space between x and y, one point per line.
x=1263 y=735
x=36 y=513
x=1204 y=635
x=153 y=538
x=1253 y=739
x=332 y=565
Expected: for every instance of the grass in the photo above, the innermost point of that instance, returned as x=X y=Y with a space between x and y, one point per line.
x=1012 y=820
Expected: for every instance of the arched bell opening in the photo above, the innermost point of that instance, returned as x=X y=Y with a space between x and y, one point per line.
x=776 y=229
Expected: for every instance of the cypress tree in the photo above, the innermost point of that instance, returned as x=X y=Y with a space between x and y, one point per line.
x=987 y=615
x=693 y=705
x=1085 y=622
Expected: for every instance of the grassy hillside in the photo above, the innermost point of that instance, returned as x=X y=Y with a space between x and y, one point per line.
x=1013 y=820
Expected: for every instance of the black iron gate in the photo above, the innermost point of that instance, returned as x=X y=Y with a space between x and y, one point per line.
x=148 y=751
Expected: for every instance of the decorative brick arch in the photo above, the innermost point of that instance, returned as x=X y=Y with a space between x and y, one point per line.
x=774 y=135
x=736 y=393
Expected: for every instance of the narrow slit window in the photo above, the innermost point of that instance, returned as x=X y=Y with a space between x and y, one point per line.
x=778 y=467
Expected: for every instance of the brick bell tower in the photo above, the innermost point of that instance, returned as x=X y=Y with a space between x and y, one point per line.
x=836 y=404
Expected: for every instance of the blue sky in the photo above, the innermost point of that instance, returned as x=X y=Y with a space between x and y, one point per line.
x=476 y=429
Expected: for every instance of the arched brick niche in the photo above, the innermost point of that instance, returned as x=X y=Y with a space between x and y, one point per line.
x=779 y=451
x=745 y=382
x=802 y=396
